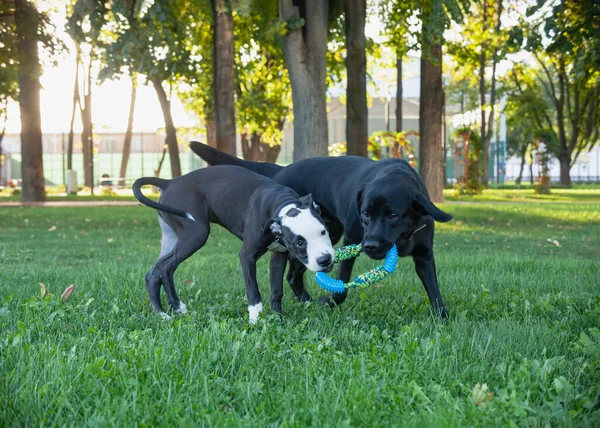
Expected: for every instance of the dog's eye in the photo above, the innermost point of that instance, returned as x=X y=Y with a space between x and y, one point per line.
x=300 y=244
x=323 y=233
x=392 y=216
x=365 y=214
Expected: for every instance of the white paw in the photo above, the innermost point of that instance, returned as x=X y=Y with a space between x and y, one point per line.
x=182 y=309
x=164 y=316
x=254 y=312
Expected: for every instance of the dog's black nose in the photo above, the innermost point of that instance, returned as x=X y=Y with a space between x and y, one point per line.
x=370 y=247
x=324 y=261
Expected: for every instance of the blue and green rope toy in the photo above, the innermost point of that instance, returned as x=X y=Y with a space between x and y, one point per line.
x=363 y=280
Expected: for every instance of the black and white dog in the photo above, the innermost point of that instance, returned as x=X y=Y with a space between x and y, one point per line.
x=378 y=204
x=265 y=215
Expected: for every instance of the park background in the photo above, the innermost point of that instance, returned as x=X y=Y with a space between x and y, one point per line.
x=517 y=265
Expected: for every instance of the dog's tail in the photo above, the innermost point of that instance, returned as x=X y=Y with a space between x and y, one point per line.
x=162 y=185
x=216 y=157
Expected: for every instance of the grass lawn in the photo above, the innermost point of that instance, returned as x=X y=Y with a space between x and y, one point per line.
x=522 y=346
x=587 y=194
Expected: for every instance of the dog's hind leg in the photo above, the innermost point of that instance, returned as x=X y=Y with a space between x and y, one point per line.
x=153 y=283
x=154 y=278
x=191 y=239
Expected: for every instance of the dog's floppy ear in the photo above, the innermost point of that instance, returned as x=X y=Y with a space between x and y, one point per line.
x=273 y=227
x=359 y=196
x=424 y=206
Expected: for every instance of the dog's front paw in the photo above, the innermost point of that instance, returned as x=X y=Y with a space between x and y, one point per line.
x=164 y=316
x=254 y=312
x=182 y=309
x=327 y=301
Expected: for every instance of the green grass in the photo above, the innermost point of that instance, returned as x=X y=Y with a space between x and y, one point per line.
x=520 y=280
x=579 y=195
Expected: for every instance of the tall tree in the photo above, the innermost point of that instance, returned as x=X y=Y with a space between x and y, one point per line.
x=87 y=45
x=87 y=133
x=76 y=100
x=357 y=113
x=155 y=46
x=567 y=72
x=224 y=85
x=395 y=15
x=304 y=47
x=484 y=43
x=431 y=110
x=27 y=23
x=263 y=87
x=9 y=71
x=128 y=132
x=435 y=17
x=198 y=96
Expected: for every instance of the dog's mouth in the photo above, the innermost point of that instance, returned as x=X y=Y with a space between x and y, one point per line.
x=328 y=269
x=378 y=253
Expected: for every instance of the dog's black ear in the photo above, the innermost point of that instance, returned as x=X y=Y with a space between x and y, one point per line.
x=424 y=206
x=359 y=202
x=306 y=201
x=273 y=227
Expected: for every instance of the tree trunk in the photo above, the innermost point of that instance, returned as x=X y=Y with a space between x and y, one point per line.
x=531 y=179
x=304 y=51
x=32 y=165
x=224 y=85
x=128 y=133
x=76 y=100
x=523 y=153
x=357 y=113
x=171 y=138
x=254 y=149
x=2 y=138
x=87 y=138
x=211 y=128
x=565 y=169
x=431 y=148
x=487 y=138
x=399 y=92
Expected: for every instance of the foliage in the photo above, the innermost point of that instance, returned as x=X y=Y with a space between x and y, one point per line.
x=153 y=44
x=472 y=185
x=560 y=37
x=435 y=17
x=9 y=54
x=524 y=324
x=396 y=145
x=9 y=85
x=264 y=94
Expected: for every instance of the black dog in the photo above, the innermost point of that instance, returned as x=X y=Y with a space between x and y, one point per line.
x=379 y=203
x=264 y=214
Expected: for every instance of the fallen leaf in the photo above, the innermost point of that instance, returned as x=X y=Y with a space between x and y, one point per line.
x=52 y=229
x=187 y=281
x=90 y=300
x=553 y=241
x=43 y=290
x=480 y=394
x=68 y=291
x=110 y=239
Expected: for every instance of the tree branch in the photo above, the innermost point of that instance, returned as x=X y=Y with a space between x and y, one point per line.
x=552 y=91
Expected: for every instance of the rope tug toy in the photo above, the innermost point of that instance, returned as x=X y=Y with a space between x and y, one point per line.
x=363 y=280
